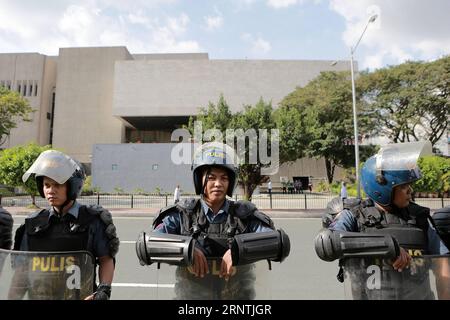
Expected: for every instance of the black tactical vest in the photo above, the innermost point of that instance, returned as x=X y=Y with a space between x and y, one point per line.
x=64 y=233
x=409 y=225
x=214 y=238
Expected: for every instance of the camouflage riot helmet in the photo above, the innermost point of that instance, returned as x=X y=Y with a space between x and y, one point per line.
x=214 y=154
x=59 y=167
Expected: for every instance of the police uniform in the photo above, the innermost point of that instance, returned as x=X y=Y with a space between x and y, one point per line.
x=80 y=229
x=213 y=233
x=412 y=229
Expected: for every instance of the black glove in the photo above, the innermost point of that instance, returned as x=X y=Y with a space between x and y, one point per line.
x=103 y=292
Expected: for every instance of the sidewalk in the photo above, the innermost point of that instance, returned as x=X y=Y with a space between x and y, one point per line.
x=151 y=212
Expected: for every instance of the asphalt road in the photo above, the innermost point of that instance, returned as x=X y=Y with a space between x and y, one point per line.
x=301 y=276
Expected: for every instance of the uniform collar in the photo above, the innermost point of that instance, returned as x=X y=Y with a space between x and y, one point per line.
x=74 y=209
x=223 y=212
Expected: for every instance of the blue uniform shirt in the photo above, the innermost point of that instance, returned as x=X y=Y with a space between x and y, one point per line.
x=171 y=223
x=98 y=241
x=346 y=221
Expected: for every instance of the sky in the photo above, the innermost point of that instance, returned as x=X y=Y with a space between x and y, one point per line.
x=234 y=29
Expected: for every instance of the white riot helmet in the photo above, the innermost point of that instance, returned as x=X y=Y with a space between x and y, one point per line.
x=59 y=167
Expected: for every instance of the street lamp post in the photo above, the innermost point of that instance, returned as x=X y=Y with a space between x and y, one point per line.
x=355 y=119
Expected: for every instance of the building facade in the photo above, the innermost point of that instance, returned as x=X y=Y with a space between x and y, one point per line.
x=98 y=96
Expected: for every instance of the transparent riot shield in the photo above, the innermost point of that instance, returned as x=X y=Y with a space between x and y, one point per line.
x=46 y=275
x=247 y=282
x=426 y=278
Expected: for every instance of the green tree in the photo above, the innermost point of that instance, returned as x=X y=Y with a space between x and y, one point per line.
x=324 y=121
x=435 y=175
x=410 y=101
x=260 y=116
x=14 y=162
x=13 y=108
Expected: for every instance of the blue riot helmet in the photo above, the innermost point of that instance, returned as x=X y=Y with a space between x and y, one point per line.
x=213 y=154
x=59 y=167
x=394 y=165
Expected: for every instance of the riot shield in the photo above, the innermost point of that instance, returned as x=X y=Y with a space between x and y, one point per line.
x=247 y=282
x=46 y=275
x=426 y=278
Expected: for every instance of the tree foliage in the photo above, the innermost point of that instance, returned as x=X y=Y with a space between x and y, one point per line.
x=13 y=108
x=260 y=116
x=323 y=124
x=14 y=162
x=410 y=101
x=435 y=175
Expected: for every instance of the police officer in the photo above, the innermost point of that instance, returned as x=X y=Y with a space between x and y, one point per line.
x=386 y=178
x=67 y=225
x=213 y=221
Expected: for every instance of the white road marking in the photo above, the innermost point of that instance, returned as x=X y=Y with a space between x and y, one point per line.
x=143 y=285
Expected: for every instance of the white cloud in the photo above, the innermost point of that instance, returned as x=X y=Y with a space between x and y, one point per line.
x=405 y=29
x=32 y=26
x=213 y=22
x=258 y=46
x=281 y=3
x=277 y=4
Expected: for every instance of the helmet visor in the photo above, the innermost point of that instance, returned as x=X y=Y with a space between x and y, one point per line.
x=402 y=156
x=54 y=165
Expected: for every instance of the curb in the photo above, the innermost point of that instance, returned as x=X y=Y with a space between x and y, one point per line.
x=152 y=212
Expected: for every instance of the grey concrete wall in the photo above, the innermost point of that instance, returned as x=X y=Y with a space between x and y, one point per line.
x=170 y=56
x=132 y=166
x=180 y=87
x=29 y=69
x=83 y=115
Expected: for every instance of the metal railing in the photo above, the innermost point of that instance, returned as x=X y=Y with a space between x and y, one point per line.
x=305 y=201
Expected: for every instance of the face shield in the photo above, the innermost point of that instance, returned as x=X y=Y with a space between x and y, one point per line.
x=402 y=157
x=54 y=165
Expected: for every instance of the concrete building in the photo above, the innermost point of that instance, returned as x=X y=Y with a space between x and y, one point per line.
x=107 y=96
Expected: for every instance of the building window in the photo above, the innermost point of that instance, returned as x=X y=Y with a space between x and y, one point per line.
x=155 y=167
x=114 y=167
x=30 y=92
x=35 y=89
x=19 y=88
